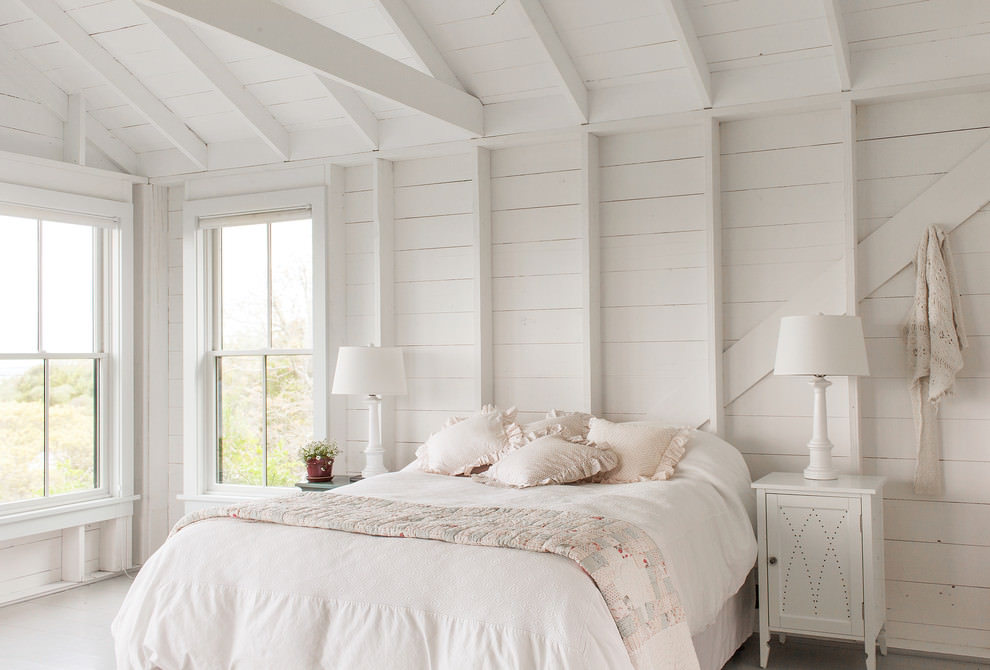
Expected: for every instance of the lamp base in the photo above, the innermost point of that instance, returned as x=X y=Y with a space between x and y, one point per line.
x=374 y=463
x=820 y=448
x=374 y=453
x=820 y=473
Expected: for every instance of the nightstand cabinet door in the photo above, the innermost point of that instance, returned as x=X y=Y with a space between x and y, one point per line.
x=815 y=564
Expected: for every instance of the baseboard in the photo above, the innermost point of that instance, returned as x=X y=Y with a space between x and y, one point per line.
x=936 y=650
x=58 y=587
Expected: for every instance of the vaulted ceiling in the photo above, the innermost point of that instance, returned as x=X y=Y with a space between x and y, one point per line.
x=169 y=87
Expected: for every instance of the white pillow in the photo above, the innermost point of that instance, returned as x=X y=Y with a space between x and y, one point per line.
x=465 y=444
x=564 y=424
x=549 y=460
x=647 y=449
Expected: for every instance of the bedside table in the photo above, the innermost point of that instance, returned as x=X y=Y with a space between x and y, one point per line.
x=339 y=480
x=821 y=559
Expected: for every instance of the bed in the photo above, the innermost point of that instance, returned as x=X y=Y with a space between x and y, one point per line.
x=231 y=593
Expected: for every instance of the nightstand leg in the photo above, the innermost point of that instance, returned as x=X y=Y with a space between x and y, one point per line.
x=782 y=637
x=764 y=647
x=871 y=657
x=882 y=639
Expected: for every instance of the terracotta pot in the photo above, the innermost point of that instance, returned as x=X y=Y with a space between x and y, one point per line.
x=319 y=469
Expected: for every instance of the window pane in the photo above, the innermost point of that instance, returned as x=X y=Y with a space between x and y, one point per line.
x=290 y=416
x=240 y=383
x=18 y=279
x=22 y=430
x=244 y=286
x=71 y=425
x=66 y=287
x=292 y=285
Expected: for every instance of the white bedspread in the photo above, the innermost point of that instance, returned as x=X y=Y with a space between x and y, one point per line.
x=227 y=593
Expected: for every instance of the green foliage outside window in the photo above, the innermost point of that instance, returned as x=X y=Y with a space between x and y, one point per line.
x=71 y=439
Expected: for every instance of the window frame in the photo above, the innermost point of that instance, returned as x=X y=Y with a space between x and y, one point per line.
x=113 y=348
x=200 y=318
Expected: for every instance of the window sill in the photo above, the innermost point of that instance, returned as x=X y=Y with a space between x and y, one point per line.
x=201 y=501
x=22 y=524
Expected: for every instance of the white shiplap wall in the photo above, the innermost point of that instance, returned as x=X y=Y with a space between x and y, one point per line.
x=783 y=223
x=536 y=278
x=653 y=268
x=782 y=220
x=938 y=590
x=433 y=294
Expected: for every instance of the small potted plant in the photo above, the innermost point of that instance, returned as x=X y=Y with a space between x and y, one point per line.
x=318 y=456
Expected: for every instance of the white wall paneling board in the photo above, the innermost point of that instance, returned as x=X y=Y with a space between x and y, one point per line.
x=653 y=267
x=765 y=262
x=538 y=274
x=29 y=563
x=909 y=152
x=433 y=303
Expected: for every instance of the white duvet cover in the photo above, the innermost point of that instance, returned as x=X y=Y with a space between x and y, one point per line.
x=226 y=593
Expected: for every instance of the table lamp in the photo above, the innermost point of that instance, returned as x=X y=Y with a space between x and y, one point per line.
x=371 y=372
x=817 y=346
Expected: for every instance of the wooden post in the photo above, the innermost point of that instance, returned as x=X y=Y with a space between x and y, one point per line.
x=713 y=244
x=482 y=215
x=851 y=267
x=591 y=278
x=383 y=329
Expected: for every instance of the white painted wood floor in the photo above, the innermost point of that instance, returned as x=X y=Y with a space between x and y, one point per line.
x=71 y=631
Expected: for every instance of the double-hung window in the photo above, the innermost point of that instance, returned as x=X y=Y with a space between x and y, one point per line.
x=62 y=413
x=256 y=372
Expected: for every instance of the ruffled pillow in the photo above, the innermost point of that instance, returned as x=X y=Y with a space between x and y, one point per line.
x=464 y=444
x=549 y=460
x=647 y=449
x=565 y=424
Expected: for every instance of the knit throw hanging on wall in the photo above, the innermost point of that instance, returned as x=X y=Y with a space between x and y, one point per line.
x=936 y=337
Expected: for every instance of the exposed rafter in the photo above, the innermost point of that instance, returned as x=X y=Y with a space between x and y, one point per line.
x=410 y=31
x=840 y=45
x=37 y=85
x=563 y=66
x=694 y=55
x=334 y=55
x=361 y=118
x=119 y=78
x=253 y=112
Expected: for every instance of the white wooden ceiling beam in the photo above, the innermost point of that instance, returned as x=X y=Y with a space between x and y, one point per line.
x=840 y=44
x=694 y=55
x=358 y=115
x=246 y=105
x=411 y=32
x=563 y=66
x=336 y=56
x=120 y=79
x=19 y=70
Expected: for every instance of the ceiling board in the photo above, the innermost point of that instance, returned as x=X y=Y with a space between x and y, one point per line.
x=106 y=16
x=629 y=56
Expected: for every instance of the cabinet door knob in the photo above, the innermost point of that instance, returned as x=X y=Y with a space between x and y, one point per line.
x=772 y=560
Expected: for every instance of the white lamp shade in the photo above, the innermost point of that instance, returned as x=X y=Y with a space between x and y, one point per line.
x=822 y=344
x=369 y=371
